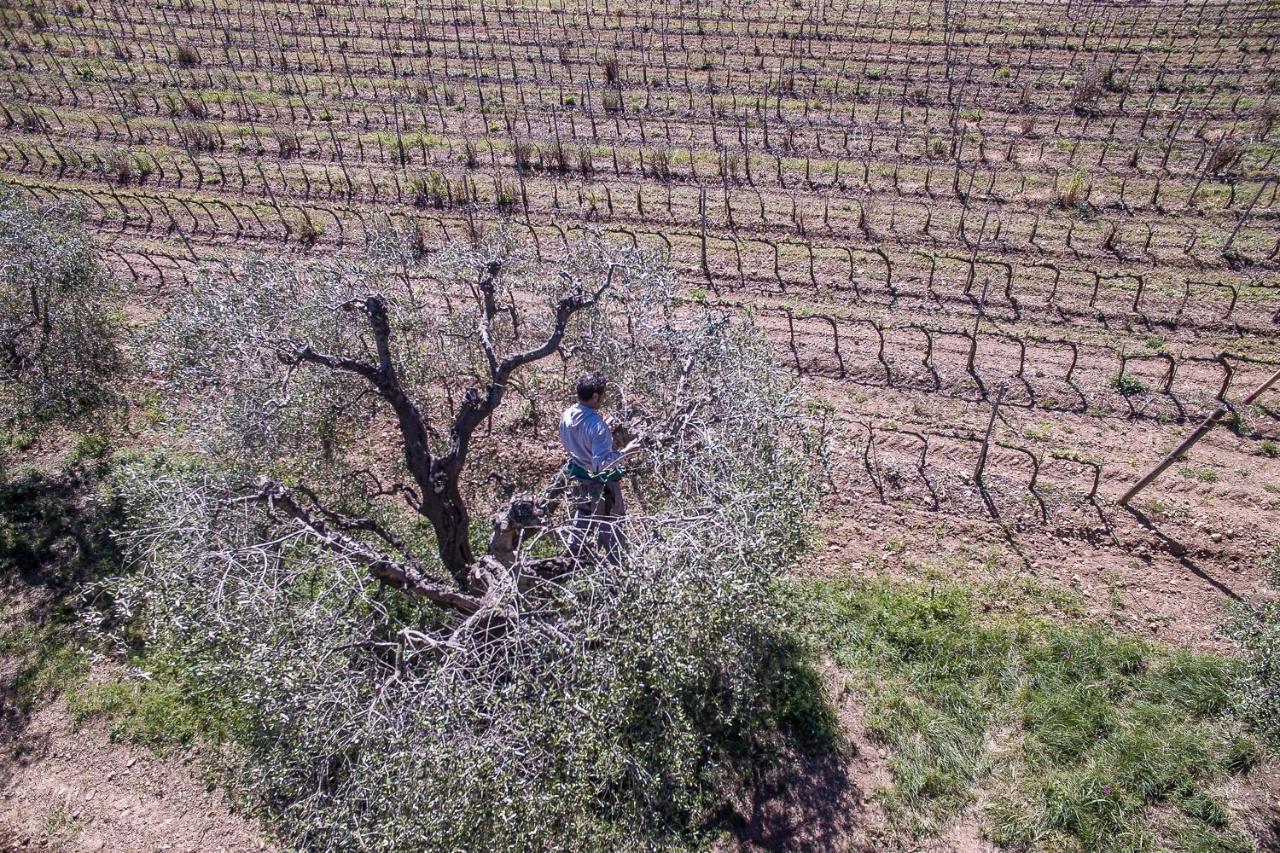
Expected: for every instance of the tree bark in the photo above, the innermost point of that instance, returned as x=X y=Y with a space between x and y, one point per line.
x=451 y=522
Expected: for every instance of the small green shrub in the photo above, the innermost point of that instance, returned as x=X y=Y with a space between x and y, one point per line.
x=1255 y=627
x=16 y=440
x=88 y=447
x=430 y=187
x=1128 y=386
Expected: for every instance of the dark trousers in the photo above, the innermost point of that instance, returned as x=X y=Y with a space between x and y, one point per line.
x=597 y=509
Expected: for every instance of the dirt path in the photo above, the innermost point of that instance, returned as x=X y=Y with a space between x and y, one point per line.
x=72 y=789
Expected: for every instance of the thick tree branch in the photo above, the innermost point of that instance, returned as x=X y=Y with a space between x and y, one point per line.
x=11 y=334
x=376 y=308
x=489 y=310
x=351 y=522
x=304 y=353
x=413 y=428
x=565 y=310
x=440 y=499
x=408 y=576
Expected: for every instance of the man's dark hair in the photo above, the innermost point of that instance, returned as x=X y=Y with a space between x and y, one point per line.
x=591 y=384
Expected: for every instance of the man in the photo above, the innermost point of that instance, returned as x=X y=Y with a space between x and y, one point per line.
x=594 y=469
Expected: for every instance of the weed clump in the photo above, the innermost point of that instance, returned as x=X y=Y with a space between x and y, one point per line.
x=429 y=188
x=309 y=231
x=610 y=67
x=522 y=154
x=1226 y=157
x=31 y=121
x=1074 y=193
x=287 y=144
x=1128 y=386
x=660 y=163
x=1088 y=90
x=201 y=137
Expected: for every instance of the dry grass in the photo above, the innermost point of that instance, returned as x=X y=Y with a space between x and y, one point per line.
x=1226 y=157
x=187 y=56
x=1088 y=91
x=1074 y=193
x=522 y=155
x=611 y=70
x=287 y=144
x=660 y=163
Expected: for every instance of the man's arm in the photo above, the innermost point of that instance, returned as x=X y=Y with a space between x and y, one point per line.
x=602 y=453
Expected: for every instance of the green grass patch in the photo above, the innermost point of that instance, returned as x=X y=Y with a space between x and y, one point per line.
x=48 y=663
x=1255 y=627
x=1074 y=731
x=163 y=708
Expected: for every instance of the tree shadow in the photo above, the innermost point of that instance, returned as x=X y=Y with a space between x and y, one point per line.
x=1269 y=836
x=809 y=803
x=52 y=535
x=799 y=795
x=53 y=541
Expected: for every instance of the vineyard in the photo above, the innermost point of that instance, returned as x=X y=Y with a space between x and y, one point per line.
x=1016 y=251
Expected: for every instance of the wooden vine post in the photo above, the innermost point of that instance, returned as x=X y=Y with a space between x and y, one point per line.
x=1207 y=424
x=986 y=439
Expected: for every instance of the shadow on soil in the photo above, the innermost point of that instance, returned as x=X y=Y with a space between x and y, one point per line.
x=53 y=540
x=809 y=804
x=1179 y=550
x=800 y=795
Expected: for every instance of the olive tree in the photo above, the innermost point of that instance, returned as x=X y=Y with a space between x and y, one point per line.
x=59 y=315
x=416 y=678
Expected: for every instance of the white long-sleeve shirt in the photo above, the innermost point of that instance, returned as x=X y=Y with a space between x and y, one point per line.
x=587 y=438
